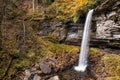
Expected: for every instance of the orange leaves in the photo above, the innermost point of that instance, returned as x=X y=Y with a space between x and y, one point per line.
x=65 y=8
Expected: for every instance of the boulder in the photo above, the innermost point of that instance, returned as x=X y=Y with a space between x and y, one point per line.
x=45 y=68
x=27 y=75
x=36 y=77
x=54 y=78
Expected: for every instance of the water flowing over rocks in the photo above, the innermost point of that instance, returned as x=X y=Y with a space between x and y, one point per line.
x=96 y=69
x=105 y=27
x=105 y=31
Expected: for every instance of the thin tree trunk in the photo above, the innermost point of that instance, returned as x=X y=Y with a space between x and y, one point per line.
x=7 y=69
x=33 y=5
x=44 y=9
x=21 y=38
x=2 y=19
x=24 y=34
x=0 y=35
x=23 y=41
x=56 y=9
x=37 y=5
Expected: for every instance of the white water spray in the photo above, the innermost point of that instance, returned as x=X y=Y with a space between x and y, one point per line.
x=85 y=44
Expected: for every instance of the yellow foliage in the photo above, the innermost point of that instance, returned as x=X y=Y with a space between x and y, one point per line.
x=112 y=64
x=65 y=8
x=93 y=51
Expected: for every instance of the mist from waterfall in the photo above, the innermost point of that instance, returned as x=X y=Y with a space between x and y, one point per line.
x=82 y=64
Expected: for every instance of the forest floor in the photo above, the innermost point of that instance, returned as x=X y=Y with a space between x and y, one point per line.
x=100 y=67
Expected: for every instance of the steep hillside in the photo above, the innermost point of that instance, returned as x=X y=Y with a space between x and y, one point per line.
x=34 y=42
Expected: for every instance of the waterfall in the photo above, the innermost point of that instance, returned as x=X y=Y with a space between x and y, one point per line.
x=85 y=44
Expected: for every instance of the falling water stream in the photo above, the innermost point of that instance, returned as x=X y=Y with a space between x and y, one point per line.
x=82 y=64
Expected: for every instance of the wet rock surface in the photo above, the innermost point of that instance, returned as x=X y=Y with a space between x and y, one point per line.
x=105 y=28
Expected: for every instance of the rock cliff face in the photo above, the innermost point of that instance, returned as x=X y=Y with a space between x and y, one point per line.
x=108 y=23
x=105 y=29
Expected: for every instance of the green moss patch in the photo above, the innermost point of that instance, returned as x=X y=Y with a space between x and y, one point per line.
x=93 y=51
x=111 y=64
x=36 y=49
x=113 y=78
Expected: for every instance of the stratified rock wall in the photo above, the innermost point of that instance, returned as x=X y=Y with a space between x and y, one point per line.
x=105 y=29
x=108 y=25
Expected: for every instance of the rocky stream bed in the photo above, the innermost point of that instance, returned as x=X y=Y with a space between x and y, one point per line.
x=60 y=68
